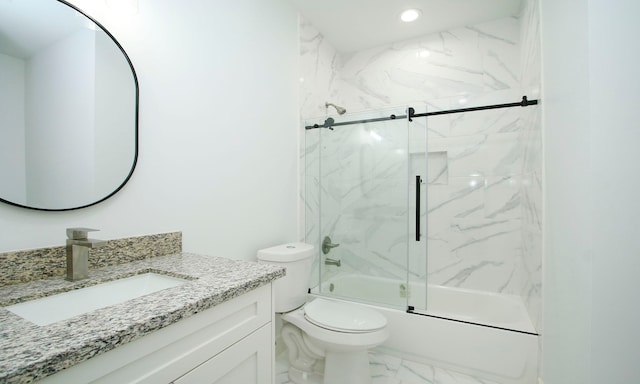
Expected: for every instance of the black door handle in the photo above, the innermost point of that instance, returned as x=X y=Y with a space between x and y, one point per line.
x=418 y=182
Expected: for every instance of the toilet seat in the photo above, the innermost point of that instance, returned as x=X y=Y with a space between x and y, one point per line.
x=342 y=340
x=343 y=317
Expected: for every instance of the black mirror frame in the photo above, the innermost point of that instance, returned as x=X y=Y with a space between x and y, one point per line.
x=137 y=112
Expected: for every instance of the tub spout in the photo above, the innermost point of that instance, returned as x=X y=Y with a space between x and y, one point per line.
x=335 y=262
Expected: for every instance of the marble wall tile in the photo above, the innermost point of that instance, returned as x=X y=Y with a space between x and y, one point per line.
x=467 y=155
x=462 y=197
x=431 y=67
x=319 y=63
x=486 y=122
x=480 y=254
x=503 y=198
x=531 y=186
x=530 y=49
x=501 y=62
x=437 y=168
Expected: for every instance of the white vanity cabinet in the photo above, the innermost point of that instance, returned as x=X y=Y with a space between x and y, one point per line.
x=228 y=344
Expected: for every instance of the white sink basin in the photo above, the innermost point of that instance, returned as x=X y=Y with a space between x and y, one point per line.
x=66 y=305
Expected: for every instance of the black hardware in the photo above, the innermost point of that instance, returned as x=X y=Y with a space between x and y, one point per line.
x=418 y=182
x=410 y=308
x=524 y=103
x=411 y=311
x=411 y=114
x=356 y=122
x=329 y=123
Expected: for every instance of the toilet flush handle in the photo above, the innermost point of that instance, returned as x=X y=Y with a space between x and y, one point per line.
x=327 y=245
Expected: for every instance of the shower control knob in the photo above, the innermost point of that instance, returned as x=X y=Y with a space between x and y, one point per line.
x=327 y=245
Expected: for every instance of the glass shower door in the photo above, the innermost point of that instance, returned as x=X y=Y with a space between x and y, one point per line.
x=357 y=192
x=420 y=177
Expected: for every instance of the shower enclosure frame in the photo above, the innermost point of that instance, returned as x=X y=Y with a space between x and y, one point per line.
x=409 y=116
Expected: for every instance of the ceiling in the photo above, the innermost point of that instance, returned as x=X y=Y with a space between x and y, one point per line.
x=353 y=25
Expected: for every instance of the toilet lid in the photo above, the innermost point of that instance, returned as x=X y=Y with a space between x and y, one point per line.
x=343 y=317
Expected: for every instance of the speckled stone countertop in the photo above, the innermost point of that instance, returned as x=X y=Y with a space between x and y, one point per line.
x=29 y=352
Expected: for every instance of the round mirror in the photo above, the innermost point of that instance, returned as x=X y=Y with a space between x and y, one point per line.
x=68 y=108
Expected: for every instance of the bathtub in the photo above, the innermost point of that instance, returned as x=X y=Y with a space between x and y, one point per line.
x=481 y=334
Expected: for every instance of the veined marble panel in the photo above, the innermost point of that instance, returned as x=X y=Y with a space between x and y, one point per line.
x=486 y=122
x=462 y=197
x=431 y=67
x=530 y=49
x=482 y=255
x=319 y=65
x=501 y=62
x=490 y=154
x=503 y=198
x=437 y=168
x=439 y=127
x=531 y=289
x=467 y=155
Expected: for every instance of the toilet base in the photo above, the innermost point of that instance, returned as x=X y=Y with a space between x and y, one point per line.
x=310 y=365
x=339 y=368
x=334 y=356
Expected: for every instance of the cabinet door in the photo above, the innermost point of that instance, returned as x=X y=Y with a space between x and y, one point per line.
x=247 y=361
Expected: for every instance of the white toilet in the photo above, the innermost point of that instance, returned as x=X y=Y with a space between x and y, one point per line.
x=327 y=340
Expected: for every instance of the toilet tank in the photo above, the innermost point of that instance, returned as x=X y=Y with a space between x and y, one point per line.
x=290 y=291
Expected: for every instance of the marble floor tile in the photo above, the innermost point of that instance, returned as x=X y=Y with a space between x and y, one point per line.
x=442 y=376
x=388 y=369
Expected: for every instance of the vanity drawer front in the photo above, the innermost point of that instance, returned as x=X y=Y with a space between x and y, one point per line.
x=247 y=361
x=169 y=353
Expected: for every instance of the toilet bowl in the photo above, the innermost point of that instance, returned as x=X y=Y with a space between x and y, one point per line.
x=327 y=340
x=341 y=333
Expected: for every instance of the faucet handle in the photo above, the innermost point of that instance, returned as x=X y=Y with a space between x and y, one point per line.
x=327 y=245
x=79 y=233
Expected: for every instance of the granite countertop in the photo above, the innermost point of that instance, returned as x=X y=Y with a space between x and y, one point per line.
x=29 y=352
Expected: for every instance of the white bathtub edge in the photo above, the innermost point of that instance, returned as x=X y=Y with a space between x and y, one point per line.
x=504 y=356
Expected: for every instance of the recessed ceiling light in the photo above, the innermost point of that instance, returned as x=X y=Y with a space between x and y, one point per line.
x=410 y=15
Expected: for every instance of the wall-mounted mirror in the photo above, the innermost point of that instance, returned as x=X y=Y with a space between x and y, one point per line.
x=68 y=108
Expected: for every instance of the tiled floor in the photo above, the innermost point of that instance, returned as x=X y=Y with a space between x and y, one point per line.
x=387 y=369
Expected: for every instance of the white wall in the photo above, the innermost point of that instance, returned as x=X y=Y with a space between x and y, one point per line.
x=57 y=131
x=114 y=116
x=591 y=311
x=614 y=29
x=218 y=130
x=12 y=156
